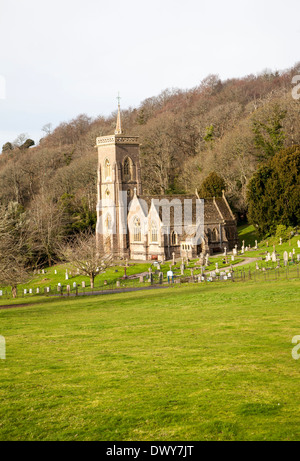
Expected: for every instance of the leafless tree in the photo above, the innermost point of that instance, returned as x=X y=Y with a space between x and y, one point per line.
x=83 y=254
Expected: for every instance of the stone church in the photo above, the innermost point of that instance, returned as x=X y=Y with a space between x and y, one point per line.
x=142 y=227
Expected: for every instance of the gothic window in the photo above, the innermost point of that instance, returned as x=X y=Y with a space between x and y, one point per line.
x=107 y=169
x=137 y=236
x=154 y=235
x=174 y=238
x=127 y=168
x=215 y=235
x=108 y=222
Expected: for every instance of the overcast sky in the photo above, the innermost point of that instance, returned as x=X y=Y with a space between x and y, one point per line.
x=61 y=58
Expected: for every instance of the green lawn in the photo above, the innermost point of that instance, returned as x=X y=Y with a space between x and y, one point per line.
x=201 y=362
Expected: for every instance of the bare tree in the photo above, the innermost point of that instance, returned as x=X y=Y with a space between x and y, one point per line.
x=83 y=254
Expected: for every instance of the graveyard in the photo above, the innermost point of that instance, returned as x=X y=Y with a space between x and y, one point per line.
x=264 y=260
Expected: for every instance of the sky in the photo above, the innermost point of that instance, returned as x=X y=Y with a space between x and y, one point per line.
x=63 y=58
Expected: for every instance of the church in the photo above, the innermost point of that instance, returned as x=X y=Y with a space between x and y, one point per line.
x=131 y=225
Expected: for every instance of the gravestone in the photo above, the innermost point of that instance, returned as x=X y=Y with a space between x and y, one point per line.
x=141 y=279
x=37 y=290
x=74 y=284
x=255 y=244
x=67 y=275
x=118 y=284
x=285 y=258
x=173 y=255
x=274 y=257
x=280 y=241
x=83 y=284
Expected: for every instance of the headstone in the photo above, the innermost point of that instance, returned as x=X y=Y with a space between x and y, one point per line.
x=173 y=255
x=55 y=271
x=256 y=244
x=67 y=275
x=232 y=258
x=37 y=290
x=285 y=257
x=257 y=266
x=280 y=241
x=77 y=272
x=298 y=243
x=225 y=251
x=206 y=260
x=243 y=249
x=274 y=257
x=83 y=284
x=43 y=271
x=25 y=291
x=68 y=288
x=118 y=284
x=234 y=252
x=48 y=289
x=294 y=251
x=1 y=293
x=141 y=279
x=74 y=284
x=298 y=258
x=182 y=269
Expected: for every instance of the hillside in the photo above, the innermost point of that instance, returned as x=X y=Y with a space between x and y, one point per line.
x=184 y=135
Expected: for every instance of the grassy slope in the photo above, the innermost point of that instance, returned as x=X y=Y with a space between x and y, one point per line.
x=187 y=363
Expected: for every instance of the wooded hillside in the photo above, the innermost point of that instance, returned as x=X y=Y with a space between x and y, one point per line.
x=228 y=127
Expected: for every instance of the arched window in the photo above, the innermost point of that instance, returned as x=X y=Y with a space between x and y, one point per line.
x=107 y=169
x=127 y=168
x=153 y=234
x=137 y=236
x=174 y=238
x=215 y=235
x=108 y=222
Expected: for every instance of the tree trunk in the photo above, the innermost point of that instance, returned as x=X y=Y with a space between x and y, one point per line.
x=14 y=292
x=92 y=281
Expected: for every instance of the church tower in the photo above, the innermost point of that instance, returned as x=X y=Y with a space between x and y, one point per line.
x=119 y=175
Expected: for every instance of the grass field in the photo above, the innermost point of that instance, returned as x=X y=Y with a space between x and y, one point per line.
x=183 y=363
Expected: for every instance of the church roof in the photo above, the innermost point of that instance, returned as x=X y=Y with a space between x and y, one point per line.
x=215 y=210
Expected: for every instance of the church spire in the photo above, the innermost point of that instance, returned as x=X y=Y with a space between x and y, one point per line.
x=118 y=126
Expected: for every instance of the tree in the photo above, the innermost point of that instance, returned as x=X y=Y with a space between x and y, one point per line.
x=28 y=143
x=47 y=229
x=7 y=147
x=274 y=192
x=212 y=186
x=83 y=254
x=269 y=136
x=13 y=247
